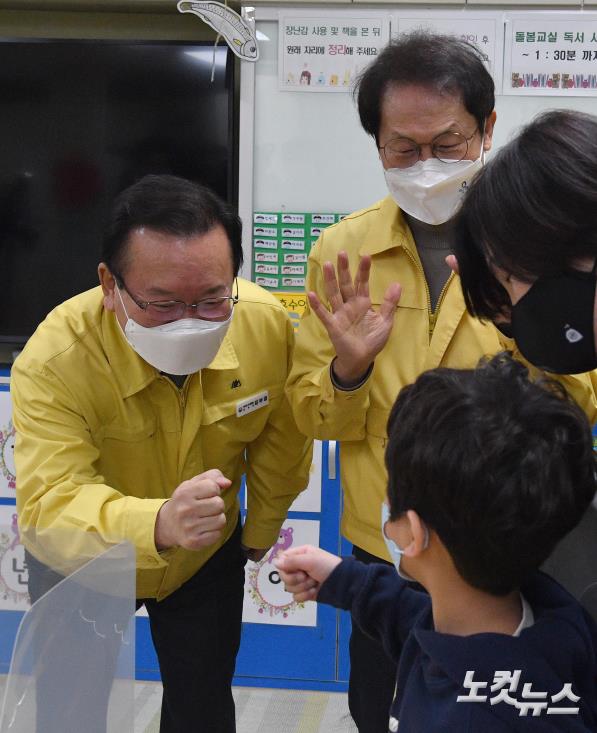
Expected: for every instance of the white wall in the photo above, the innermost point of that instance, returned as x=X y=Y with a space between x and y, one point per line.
x=310 y=153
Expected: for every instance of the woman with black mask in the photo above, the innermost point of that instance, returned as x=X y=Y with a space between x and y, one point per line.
x=527 y=242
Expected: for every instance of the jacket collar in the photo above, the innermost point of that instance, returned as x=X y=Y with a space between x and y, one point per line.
x=558 y=619
x=392 y=221
x=131 y=372
x=226 y=358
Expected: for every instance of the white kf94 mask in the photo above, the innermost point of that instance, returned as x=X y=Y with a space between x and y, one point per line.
x=180 y=347
x=431 y=190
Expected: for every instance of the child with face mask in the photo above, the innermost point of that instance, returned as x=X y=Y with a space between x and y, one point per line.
x=487 y=471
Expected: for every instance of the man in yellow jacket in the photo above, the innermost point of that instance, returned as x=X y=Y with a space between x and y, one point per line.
x=139 y=405
x=427 y=100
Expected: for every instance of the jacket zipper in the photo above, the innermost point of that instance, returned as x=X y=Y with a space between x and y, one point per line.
x=181 y=396
x=432 y=314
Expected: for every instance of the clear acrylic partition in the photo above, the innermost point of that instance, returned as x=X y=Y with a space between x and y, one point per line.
x=73 y=663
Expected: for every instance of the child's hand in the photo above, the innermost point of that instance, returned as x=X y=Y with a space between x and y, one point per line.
x=304 y=569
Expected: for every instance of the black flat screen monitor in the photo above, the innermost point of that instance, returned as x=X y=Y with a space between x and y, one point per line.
x=80 y=121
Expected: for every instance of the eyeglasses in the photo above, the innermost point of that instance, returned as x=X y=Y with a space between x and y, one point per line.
x=210 y=309
x=402 y=152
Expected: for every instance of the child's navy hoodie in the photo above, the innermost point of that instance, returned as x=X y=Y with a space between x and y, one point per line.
x=559 y=648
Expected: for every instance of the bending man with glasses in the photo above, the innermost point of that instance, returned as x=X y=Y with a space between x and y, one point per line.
x=384 y=304
x=138 y=406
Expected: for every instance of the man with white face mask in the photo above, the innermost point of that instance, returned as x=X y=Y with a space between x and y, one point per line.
x=427 y=101
x=138 y=406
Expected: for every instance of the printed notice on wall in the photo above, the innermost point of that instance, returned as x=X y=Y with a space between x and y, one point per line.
x=281 y=244
x=551 y=54
x=325 y=54
x=485 y=30
x=266 y=601
x=295 y=304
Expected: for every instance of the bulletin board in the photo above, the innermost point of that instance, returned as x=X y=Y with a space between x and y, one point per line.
x=281 y=245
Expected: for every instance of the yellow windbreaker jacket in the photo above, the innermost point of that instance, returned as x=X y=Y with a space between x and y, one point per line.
x=102 y=439
x=420 y=340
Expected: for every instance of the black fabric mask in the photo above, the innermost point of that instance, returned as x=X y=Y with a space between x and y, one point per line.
x=552 y=323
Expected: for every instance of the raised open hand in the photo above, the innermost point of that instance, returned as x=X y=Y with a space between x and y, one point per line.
x=357 y=331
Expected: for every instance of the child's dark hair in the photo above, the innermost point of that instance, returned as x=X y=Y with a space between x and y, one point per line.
x=501 y=468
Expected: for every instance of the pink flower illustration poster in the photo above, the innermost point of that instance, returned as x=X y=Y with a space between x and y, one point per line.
x=266 y=601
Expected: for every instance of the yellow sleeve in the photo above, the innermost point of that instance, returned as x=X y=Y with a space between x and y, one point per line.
x=59 y=491
x=581 y=387
x=278 y=464
x=320 y=409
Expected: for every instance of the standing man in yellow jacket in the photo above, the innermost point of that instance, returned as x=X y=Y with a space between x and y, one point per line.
x=427 y=100
x=138 y=406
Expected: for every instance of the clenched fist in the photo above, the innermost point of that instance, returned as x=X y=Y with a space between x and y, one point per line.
x=194 y=517
x=303 y=570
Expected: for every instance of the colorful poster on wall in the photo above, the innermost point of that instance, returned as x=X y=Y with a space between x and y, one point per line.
x=7 y=444
x=325 y=54
x=266 y=601
x=551 y=54
x=281 y=244
x=295 y=304
x=14 y=595
x=485 y=29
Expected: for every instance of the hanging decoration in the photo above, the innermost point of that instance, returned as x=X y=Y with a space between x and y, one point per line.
x=235 y=30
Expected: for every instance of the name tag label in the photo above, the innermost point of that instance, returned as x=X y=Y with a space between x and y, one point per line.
x=250 y=404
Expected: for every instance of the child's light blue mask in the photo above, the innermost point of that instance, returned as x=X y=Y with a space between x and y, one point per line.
x=395 y=552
